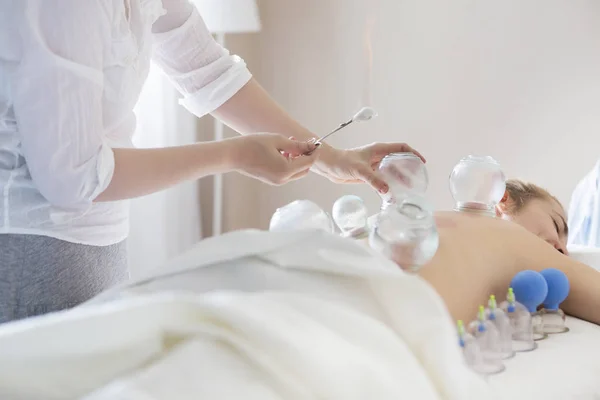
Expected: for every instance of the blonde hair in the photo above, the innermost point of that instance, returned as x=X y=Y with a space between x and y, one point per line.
x=521 y=193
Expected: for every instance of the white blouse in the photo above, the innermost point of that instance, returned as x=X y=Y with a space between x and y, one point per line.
x=71 y=72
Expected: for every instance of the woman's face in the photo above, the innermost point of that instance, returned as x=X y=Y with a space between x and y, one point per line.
x=546 y=219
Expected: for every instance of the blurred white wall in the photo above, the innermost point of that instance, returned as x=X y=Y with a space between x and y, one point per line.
x=516 y=80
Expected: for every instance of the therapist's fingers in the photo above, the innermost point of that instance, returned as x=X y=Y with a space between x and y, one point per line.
x=373 y=178
x=287 y=154
x=383 y=149
x=295 y=148
x=301 y=164
x=392 y=173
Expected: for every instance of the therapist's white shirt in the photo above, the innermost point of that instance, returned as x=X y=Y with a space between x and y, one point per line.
x=71 y=72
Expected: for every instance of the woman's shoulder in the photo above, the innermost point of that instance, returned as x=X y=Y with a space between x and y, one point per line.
x=481 y=234
x=467 y=221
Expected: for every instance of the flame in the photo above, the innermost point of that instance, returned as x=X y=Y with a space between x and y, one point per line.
x=368 y=89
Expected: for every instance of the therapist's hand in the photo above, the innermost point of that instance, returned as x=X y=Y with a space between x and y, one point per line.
x=358 y=165
x=273 y=158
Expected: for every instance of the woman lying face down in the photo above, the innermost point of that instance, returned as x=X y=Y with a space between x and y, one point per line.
x=536 y=210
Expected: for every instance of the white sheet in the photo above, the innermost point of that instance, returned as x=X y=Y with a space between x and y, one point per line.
x=564 y=367
x=336 y=322
x=587 y=255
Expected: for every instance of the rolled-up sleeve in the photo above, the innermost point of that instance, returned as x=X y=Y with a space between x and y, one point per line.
x=57 y=93
x=205 y=73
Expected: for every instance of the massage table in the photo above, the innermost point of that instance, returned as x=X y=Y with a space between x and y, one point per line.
x=564 y=367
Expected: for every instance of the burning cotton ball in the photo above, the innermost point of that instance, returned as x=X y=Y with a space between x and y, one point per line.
x=364 y=114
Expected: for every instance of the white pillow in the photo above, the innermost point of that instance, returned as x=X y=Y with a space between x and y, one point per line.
x=587 y=255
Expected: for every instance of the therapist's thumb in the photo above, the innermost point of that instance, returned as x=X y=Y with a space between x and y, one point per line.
x=368 y=175
x=299 y=166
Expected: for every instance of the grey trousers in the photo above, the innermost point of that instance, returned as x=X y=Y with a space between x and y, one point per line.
x=39 y=274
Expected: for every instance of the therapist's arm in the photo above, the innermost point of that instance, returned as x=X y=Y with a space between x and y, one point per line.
x=212 y=80
x=139 y=172
x=252 y=110
x=58 y=90
x=58 y=101
x=144 y=171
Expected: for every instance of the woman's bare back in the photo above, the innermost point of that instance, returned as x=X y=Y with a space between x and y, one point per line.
x=479 y=256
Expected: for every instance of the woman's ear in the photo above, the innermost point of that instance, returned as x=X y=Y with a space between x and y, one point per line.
x=499 y=210
x=501 y=206
x=505 y=197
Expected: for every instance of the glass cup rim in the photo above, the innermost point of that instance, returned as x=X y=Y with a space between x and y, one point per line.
x=402 y=154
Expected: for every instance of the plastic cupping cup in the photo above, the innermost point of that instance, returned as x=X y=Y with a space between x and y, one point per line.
x=553 y=318
x=531 y=289
x=503 y=324
x=521 y=325
x=488 y=338
x=470 y=349
x=558 y=288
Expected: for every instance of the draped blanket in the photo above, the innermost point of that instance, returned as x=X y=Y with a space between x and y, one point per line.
x=248 y=315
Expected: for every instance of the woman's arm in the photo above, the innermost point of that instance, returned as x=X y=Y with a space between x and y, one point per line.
x=583 y=301
x=479 y=256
